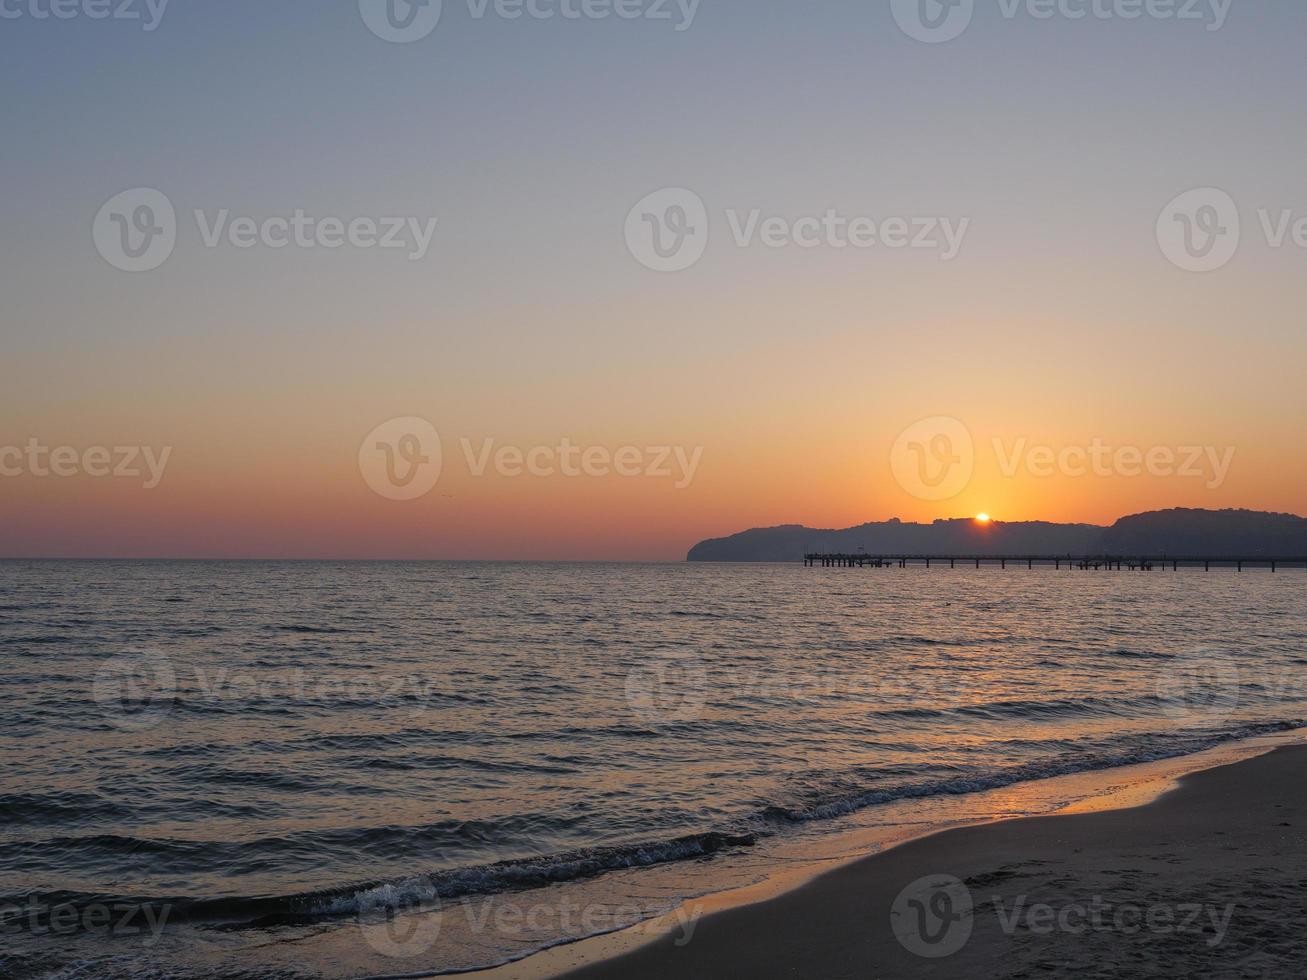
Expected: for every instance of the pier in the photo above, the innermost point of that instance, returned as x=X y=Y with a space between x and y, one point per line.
x=1084 y=563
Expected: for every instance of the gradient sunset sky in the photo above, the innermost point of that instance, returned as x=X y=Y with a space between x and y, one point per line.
x=1060 y=322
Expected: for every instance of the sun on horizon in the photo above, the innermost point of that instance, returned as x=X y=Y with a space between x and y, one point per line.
x=982 y=518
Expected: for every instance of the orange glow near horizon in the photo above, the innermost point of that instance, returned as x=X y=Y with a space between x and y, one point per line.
x=265 y=450
x=274 y=497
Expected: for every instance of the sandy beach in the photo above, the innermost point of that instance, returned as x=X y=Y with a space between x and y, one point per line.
x=1206 y=881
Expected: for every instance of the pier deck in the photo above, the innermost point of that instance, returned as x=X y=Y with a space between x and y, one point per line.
x=1143 y=563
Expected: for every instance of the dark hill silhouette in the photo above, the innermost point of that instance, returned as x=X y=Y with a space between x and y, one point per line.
x=1177 y=532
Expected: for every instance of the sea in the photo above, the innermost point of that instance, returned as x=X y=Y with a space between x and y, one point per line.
x=320 y=769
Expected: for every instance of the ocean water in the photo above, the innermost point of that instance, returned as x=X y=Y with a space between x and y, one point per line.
x=357 y=769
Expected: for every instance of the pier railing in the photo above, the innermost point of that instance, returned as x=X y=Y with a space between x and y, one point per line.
x=1143 y=563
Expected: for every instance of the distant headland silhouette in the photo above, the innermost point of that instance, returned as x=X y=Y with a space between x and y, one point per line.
x=1178 y=533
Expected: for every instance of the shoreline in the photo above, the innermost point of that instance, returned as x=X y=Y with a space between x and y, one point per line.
x=651 y=948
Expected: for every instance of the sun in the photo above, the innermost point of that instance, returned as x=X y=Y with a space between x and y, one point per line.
x=982 y=518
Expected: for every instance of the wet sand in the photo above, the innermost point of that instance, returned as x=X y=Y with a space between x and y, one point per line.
x=1208 y=880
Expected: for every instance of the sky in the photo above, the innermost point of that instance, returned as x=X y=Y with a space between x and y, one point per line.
x=1076 y=292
